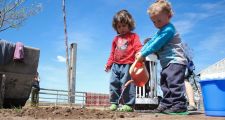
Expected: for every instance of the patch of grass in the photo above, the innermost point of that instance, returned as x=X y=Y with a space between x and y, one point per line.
x=17 y=109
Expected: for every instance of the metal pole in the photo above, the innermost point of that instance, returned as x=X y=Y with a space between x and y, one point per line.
x=57 y=97
x=73 y=56
x=66 y=44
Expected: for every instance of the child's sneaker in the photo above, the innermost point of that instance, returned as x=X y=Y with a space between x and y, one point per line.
x=176 y=111
x=192 y=108
x=159 y=109
x=113 y=107
x=126 y=108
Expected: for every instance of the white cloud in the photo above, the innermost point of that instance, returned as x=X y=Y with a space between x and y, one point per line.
x=214 y=43
x=61 y=58
x=85 y=41
x=53 y=77
x=213 y=6
x=184 y=26
x=211 y=49
x=189 y=20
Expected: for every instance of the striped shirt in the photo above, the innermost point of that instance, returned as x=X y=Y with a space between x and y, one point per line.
x=167 y=44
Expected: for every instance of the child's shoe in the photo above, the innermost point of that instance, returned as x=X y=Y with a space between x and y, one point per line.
x=160 y=109
x=176 y=111
x=191 y=108
x=113 y=107
x=126 y=108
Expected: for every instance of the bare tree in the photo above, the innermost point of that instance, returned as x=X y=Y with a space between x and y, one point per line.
x=67 y=51
x=13 y=13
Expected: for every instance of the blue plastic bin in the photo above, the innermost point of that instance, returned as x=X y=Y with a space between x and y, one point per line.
x=213 y=93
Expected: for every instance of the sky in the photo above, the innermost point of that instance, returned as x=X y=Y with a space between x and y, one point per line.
x=201 y=24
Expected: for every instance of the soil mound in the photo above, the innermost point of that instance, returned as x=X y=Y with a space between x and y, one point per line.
x=65 y=113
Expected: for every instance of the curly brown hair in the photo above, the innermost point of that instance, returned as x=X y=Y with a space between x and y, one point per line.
x=123 y=16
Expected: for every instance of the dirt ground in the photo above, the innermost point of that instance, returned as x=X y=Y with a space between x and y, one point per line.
x=59 y=113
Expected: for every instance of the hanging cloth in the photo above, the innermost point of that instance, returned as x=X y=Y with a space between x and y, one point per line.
x=19 y=52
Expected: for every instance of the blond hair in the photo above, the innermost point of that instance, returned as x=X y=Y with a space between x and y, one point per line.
x=160 y=6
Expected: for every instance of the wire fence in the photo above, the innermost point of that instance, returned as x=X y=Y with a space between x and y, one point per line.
x=60 y=97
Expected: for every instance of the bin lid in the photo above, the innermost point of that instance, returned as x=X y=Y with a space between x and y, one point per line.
x=212 y=79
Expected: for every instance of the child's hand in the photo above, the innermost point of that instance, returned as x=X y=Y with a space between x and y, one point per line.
x=107 y=68
x=138 y=57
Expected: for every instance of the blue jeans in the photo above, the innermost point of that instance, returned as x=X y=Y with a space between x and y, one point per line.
x=119 y=76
